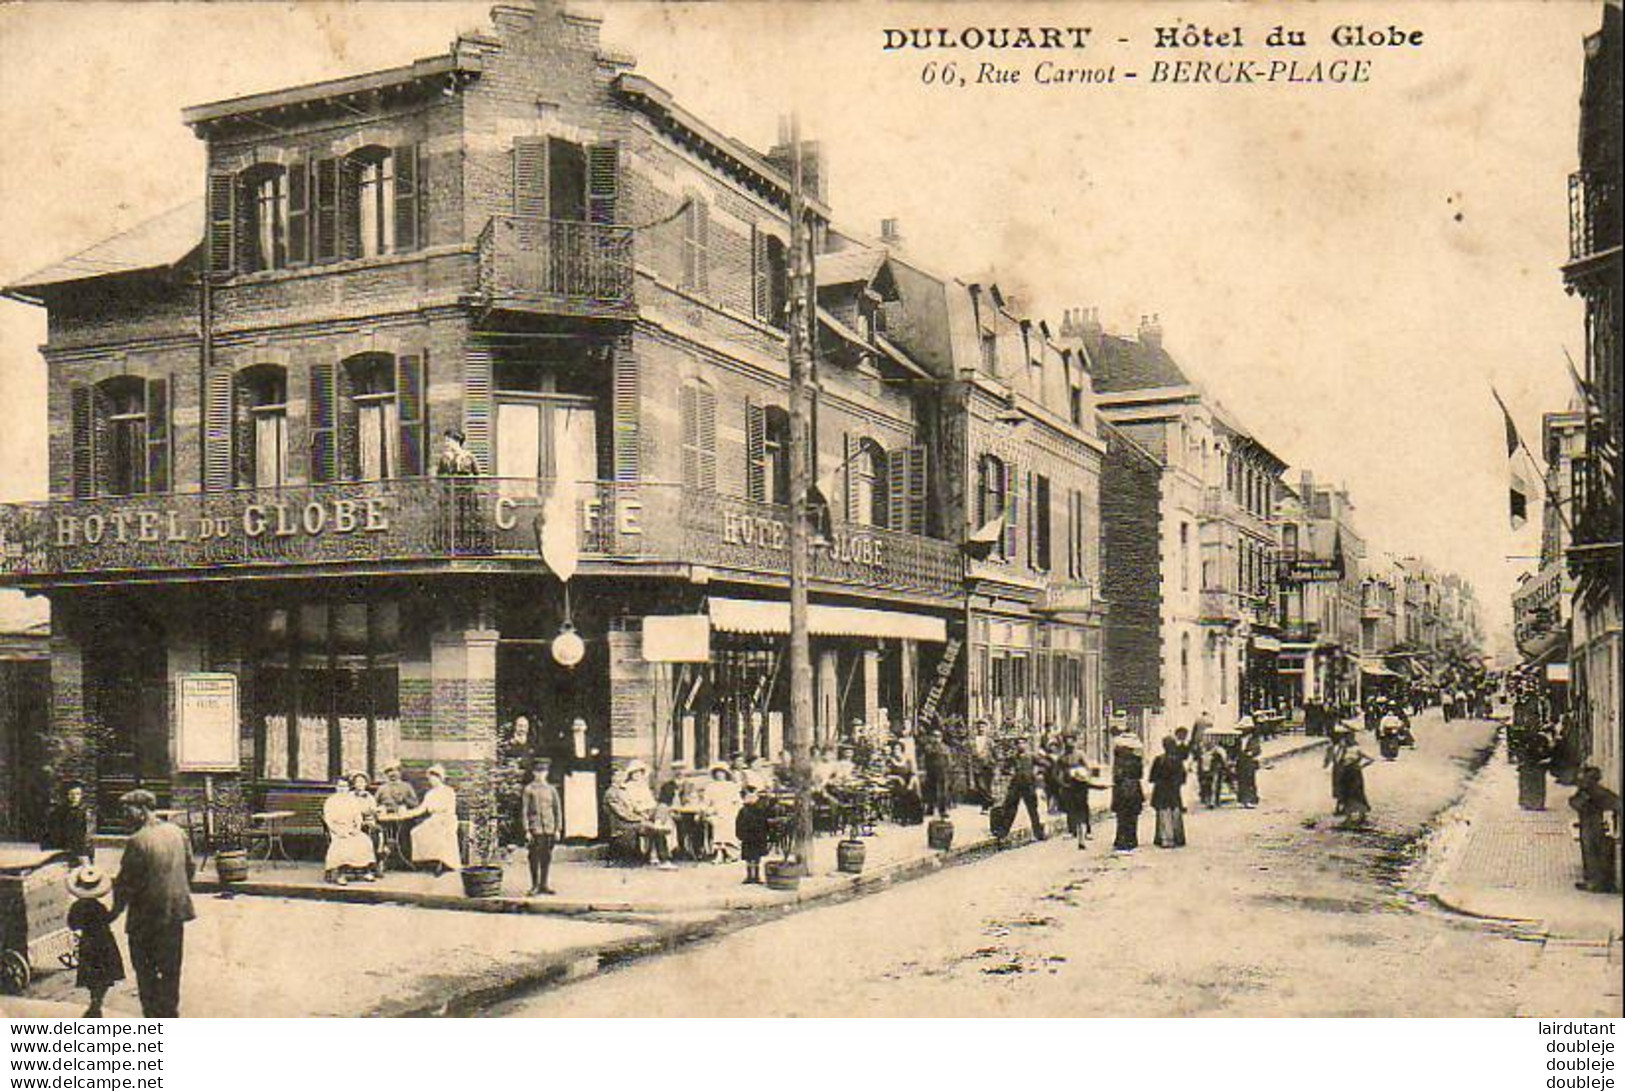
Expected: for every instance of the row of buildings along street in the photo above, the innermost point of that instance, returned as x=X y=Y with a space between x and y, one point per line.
x=1032 y=521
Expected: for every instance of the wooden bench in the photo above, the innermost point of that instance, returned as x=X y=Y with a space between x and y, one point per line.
x=305 y=802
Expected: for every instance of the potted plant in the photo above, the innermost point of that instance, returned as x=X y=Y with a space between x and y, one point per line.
x=230 y=850
x=482 y=875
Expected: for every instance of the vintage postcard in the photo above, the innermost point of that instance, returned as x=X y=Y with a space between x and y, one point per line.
x=780 y=509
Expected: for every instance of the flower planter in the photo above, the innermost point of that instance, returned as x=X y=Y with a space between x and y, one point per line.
x=850 y=855
x=782 y=874
x=482 y=881
x=231 y=866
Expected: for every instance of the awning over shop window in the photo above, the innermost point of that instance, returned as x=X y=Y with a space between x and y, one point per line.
x=1377 y=669
x=751 y=616
x=1266 y=643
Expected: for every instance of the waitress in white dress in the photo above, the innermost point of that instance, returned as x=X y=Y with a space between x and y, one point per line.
x=434 y=839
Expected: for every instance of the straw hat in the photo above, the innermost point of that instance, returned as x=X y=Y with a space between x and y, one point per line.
x=1128 y=742
x=89 y=882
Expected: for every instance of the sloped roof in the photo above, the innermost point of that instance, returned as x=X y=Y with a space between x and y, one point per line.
x=1124 y=363
x=159 y=243
x=854 y=265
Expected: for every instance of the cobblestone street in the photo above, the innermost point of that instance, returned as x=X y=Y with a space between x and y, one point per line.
x=1057 y=931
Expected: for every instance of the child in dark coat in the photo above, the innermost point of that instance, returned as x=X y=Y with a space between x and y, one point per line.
x=100 y=964
x=751 y=828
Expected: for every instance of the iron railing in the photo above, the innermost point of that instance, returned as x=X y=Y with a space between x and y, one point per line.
x=1594 y=224
x=555 y=264
x=434 y=518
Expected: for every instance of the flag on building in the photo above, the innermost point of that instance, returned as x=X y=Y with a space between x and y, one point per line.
x=1518 y=490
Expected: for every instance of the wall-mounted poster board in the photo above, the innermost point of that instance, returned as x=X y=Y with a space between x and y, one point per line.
x=207 y=738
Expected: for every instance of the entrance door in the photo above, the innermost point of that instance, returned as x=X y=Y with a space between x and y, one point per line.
x=129 y=692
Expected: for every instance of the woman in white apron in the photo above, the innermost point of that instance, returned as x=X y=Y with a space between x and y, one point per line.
x=349 y=847
x=434 y=839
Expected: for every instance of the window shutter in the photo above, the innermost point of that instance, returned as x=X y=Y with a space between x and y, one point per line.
x=346 y=423
x=218 y=413
x=83 y=424
x=298 y=182
x=603 y=182
x=349 y=208
x=477 y=407
x=323 y=412
x=101 y=444
x=238 y=409
x=627 y=405
x=325 y=187
x=407 y=213
x=702 y=248
x=222 y=222
x=851 y=476
x=1012 y=511
x=413 y=414
x=706 y=403
x=689 y=412
x=158 y=436
x=755 y=453
x=530 y=195
x=905 y=473
x=760 y=277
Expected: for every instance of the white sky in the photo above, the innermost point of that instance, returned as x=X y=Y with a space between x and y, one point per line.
x=1301 y=244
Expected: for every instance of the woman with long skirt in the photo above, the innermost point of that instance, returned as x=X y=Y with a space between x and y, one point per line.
x=1128 y=796
x=1167 y=780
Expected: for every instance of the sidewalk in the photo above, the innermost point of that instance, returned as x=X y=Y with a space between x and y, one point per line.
x=1494 y=860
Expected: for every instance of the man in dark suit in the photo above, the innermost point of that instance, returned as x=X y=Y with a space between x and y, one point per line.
x=155 y=885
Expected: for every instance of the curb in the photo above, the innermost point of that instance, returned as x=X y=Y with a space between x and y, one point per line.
x=575 y=963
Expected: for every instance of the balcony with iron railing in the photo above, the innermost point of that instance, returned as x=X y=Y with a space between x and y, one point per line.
x=561 y=267
x=1220 y=605
x=416 y=522
x=1597 y=522
x=1594 y=221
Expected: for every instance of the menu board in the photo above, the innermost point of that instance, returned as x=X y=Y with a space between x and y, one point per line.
x=207 y=737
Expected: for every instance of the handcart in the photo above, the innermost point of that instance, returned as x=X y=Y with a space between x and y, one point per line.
x=34 y=903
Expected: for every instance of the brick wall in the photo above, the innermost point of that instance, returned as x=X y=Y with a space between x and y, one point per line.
x=1132 y=575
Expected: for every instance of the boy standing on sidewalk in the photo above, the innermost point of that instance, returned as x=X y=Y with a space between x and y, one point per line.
x=542 y=811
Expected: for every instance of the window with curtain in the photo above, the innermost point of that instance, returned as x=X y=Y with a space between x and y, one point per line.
x=373 y=170
x=992 y=493
x=263 y=426
x=377 y=417
x=267 y=236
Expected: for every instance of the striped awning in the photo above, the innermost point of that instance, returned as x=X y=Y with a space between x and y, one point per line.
x=753 y=616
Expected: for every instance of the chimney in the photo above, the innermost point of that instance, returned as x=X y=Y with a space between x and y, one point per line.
x=780 y=157
x=891 y=232
x=1151 y=331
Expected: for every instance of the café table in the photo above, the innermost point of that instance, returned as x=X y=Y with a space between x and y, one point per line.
x=268 y=828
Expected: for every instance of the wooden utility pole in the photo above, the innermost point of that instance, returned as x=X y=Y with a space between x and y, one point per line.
x=802 y=323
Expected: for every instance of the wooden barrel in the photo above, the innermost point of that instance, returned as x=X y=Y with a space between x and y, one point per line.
x=482 y=881
x=231 y=866
x=782 y=875
x=940 y=834
x=849 y=856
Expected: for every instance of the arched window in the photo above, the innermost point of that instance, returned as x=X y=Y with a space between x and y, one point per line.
x=867 y=502
x=262 y=426
x=265 y=235
x=370 y=195
x=698 y=410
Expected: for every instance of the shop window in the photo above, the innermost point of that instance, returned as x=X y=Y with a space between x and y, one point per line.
x=698 y=410
x=327 y=689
